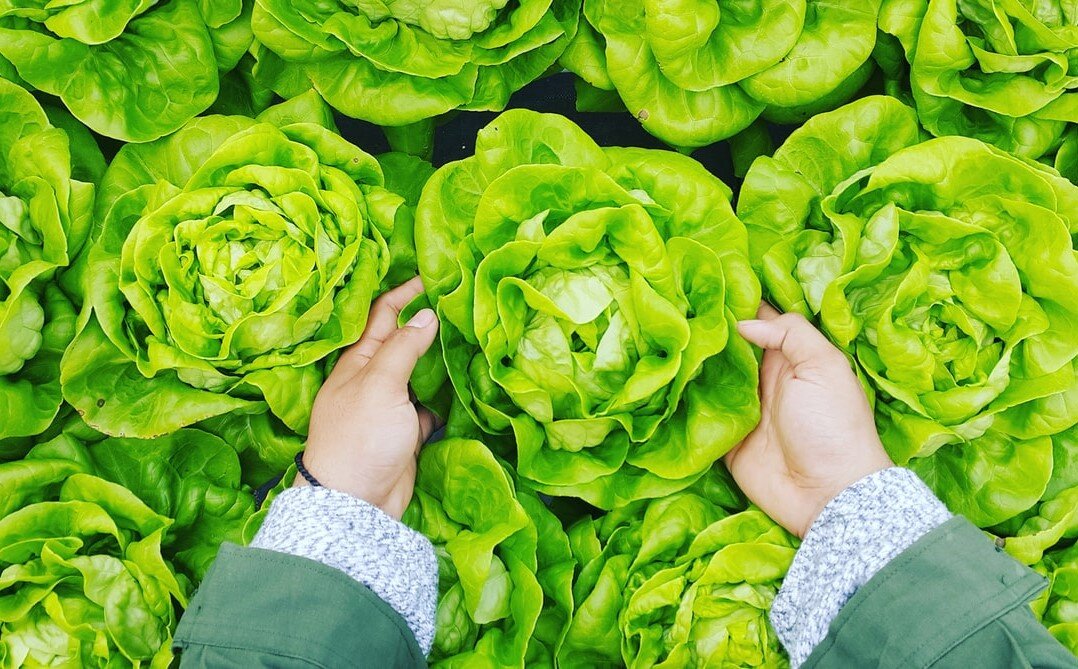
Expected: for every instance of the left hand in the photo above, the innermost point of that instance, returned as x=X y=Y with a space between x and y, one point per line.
x=366 y=431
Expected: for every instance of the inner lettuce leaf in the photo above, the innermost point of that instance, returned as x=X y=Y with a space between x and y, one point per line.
x=47 y=176
x=694 y=72
x=676 y=582
x=397 y=62
x=505 y=567
x=1001 y=72
x=233 y=259
x=588 y=298
x=134 y=71
x=104 y=540
x=946 y=270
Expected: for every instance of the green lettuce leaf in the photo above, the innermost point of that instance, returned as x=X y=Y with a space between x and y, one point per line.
x=587 y=298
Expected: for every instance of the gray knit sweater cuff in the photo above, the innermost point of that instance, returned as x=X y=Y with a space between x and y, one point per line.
x=862 y=529
x=397 y=563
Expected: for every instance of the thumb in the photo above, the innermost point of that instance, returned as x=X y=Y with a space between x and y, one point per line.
x=397 y=357
x=793 y=335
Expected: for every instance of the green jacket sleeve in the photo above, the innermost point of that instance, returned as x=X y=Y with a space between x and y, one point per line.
x=259 y=608
x=952 y=599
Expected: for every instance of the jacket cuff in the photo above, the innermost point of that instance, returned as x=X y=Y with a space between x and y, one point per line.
x=862 y=529
x=341 y=531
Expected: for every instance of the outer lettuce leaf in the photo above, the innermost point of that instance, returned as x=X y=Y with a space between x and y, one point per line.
x=588 y=298
x=946 y=270
x=84 y=527
x=396 y=63
x=505 y=566
x=46 y=209
x=1002 y=72
x=234 y=257
x=676 y=582
x=131 y=70
x=694 y=72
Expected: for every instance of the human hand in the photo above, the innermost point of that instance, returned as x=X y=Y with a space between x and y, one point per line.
x=816 y=434
x=365 y=429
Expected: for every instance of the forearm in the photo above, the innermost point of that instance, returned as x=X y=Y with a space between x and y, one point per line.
x=343 y=532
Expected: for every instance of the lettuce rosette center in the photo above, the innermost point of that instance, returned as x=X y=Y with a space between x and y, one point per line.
x=588 y=298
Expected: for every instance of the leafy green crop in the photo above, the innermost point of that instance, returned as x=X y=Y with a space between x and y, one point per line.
x=134 y=70
x=1057 y=607
x=84 y=526
x=946 y=270
x=1002 y=72
x=234 y=257
x=587 y=298
x=694 y=72
x=46 y=209
x=395 y=63
x=676 y=582
x=505 y=568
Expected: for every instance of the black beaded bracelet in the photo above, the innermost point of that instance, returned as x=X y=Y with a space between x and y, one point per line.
x=304 y=473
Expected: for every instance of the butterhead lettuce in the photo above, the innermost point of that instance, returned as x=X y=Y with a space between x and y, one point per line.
x=505 y=568
x=676 y=582
x=46 y=211
x=234 y=257
x=101 y=542
x=694 y=72
x=587 y=298
x=395 y=63
x=946 y=270
x=1002 y=72
x=133 y=70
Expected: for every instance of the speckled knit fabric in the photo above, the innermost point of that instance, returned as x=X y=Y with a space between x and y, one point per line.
x=397 y=563
x=862 y=529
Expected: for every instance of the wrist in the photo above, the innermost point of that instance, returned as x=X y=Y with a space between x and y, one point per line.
x=838 y=485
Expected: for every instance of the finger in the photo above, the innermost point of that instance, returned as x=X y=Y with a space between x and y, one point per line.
x=381 y=323
x=393 y=363
x=429 y=423
x=766 y=312
x=794 y=336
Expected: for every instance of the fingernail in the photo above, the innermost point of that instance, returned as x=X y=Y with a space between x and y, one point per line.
x=422 y=319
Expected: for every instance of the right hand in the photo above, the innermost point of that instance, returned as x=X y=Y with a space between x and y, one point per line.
x=816 y=434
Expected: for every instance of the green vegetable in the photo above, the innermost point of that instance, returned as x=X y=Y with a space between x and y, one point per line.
x=83 y=529
x=46 y=209
x=234 y=257
x=588 y=298
x=1002 y=72
x=946 y=270
x=694 y=72
x=395 y=63
x=131 y=70
x=504 y=561
x=676 y=582
x=1057 y=607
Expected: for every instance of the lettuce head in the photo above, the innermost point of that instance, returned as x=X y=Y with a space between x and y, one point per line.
x=588 y=298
